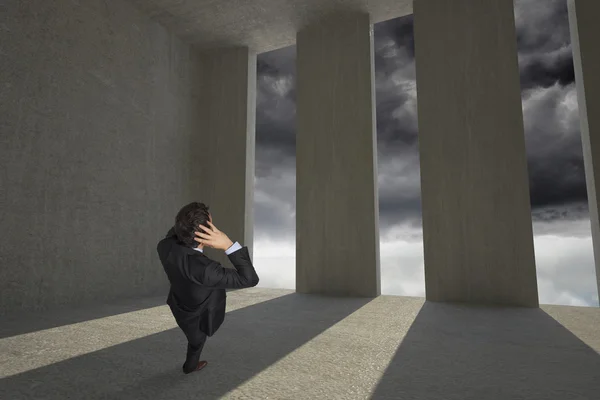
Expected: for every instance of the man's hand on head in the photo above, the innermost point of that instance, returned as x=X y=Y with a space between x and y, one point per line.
x=212 y=237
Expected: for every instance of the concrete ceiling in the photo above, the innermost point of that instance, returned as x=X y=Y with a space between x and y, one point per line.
x=263 y=25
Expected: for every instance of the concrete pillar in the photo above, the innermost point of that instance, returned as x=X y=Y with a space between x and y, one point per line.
x=477 y=230
x=337 y=238
x=583 y=21
x=222 y=152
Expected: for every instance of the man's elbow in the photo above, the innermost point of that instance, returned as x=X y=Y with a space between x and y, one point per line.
x=253 y=281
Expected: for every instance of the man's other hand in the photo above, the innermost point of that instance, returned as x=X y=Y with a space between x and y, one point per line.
x=212 y=237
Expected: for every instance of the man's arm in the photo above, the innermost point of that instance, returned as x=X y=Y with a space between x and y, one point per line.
x=216 y=276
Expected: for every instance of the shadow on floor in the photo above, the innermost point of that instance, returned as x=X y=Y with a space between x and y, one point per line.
x=464 y=352
x=13 y=325
x=250 y=340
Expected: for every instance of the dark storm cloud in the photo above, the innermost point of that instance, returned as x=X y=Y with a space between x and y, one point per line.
x=274 y=206
x=574 y=211
x=557 y=178
x=556 y=169
x=544 y=43
x=389 y=37
x=275 y=111
x=542 y=26
x=264 y=68
x=553 y=146
x=398 y=206
x=396 y=129
x=397 y=133
x=545 y=70
x=394 y=76
x=275 y=201
x=275 y=145
x=553 y=140
x=554 y=152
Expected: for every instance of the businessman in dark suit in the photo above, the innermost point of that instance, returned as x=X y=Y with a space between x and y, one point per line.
x=197 y=294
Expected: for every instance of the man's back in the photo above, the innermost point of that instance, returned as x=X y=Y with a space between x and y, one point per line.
x=197 y=295
x=185 y=269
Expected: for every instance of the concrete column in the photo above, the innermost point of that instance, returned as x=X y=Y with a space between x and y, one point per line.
x=222 y=151
x=477 y=230
x=337 y=238
x=583 y=21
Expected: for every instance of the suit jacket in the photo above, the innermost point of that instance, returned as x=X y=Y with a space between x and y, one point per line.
x=197 y=294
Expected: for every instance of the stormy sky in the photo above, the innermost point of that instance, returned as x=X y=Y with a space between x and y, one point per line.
x=563 y=247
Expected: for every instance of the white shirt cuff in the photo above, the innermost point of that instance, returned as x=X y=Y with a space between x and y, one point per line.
x=234 y=247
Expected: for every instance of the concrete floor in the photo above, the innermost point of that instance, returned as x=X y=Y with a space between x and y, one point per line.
x=276 y=344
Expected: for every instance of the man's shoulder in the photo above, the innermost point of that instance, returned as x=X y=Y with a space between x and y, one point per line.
x=195 y=256
x=174 y=250
x=163 y=247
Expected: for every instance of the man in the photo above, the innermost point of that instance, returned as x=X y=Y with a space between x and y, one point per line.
x=197 y=294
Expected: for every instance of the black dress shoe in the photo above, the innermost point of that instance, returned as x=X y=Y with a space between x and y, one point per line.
x=201 y=364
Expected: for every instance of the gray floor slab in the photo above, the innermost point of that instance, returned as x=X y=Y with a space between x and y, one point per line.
x=276 y=344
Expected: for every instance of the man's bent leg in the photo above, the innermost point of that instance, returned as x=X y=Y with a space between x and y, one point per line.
x=194 y=349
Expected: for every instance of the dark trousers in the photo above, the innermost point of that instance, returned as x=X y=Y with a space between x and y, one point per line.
x=196 y=339
x=195 y=345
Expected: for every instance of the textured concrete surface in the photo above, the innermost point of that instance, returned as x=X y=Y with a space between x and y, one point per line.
x=223 y=147
x=477 y=230
x=586 y=60
x=337 y=216
x=276 y=344
x=95 y=135
x=262 y=25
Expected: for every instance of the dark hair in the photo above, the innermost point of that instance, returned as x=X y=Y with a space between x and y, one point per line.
x=187 y=221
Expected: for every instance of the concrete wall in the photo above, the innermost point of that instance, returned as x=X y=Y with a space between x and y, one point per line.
x=583 y=22
x=222 y=151
x=337 y=216
x=477 y=231
x=95 y=135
